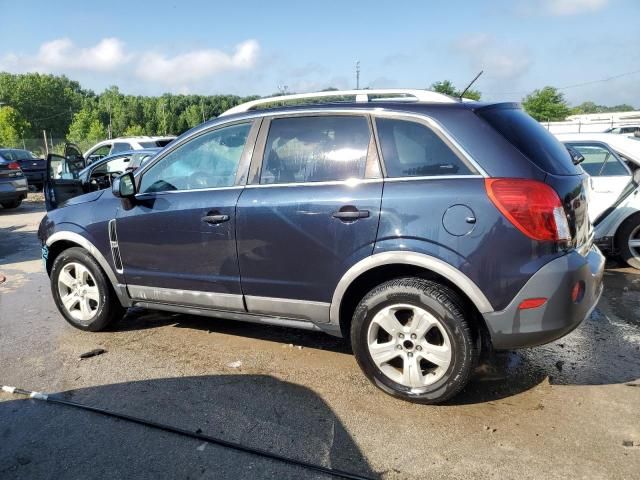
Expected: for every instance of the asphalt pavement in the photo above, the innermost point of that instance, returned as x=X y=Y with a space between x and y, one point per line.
x=570 y=409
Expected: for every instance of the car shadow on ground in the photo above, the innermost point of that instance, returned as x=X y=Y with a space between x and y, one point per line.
x=43 y=440
x=603 y=350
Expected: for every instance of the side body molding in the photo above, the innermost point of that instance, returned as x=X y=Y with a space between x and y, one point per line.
x=120 y=289
x=428 y=262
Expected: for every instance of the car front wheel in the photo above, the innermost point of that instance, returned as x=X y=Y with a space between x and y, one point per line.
x=412 y=339
x=82 y=292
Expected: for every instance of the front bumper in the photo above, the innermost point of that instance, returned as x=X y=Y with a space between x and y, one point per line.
x=515 y=328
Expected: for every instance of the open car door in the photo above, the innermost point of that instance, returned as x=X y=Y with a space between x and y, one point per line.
x=609 y=176
x=62 y=182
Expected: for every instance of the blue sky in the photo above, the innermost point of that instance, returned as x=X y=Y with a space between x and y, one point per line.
x=247 y=47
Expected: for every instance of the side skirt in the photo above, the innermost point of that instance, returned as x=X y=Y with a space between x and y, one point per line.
x=243 y=317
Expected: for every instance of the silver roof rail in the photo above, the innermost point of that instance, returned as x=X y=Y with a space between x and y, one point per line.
x=360 y=96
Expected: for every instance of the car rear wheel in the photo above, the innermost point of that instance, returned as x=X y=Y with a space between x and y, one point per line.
x=412 y=339
x=628 y=241
x=12 y=204
x=82 y=291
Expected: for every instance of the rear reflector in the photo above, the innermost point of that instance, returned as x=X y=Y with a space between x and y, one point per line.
x=531 y=303
x=532 y=207
x=577 y=293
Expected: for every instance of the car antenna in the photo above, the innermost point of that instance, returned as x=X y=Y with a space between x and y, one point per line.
x=469 y=86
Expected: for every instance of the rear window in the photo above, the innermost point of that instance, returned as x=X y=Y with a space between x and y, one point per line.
x=156 y=143
x=531 y=138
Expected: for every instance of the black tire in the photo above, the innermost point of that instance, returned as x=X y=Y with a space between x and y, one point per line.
x=629 y=228
x=443 y=304
x=11 y=204
x=108 y=311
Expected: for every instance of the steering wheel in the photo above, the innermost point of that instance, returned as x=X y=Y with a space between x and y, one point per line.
x=198 y=179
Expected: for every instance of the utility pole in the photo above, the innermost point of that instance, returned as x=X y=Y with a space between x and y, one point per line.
x=46 y=143
x=164 y=119
x=202 y=109
x=358 y=75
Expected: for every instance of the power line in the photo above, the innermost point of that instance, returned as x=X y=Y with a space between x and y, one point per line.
x=575 y=85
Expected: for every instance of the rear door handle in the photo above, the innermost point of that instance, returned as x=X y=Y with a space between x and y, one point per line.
x=213 y=219
x=350 y=213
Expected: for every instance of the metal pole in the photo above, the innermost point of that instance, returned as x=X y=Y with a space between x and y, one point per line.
x=46 y=146
x=358 y=75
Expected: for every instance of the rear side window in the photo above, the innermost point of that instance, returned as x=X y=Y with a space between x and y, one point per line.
x=410 y=149
x=531 y=138
x=600 y=161
x=315 y=149
x=120 y=147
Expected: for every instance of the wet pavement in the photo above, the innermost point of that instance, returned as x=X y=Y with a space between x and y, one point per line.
x=570 y=409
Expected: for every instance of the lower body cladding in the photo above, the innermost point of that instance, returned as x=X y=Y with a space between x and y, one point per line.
x=566 y=289
x=302 y=314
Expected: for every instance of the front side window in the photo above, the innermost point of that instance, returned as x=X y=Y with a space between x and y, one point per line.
x=411 y=149
x=315 y=149
x=208 y=161
x=599 y=161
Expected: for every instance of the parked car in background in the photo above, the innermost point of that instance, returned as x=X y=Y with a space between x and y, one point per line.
x=421 y=227
x=625 y=130
x=125 y=144
x=32 y=166
x=67 y=179
x=613 y=164
x=13 y=184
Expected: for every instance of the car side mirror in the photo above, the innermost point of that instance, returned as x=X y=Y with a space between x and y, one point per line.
x=124 y=186
x=576 y=157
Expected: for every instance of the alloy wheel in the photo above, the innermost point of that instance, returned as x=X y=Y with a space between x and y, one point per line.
x=409 y=345
x=78 y=291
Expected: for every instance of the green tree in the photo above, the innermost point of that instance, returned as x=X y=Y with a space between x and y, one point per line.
x=546 y=104
x=134 y=131
x=446 y=87
x=86 y=128
x=12 y=127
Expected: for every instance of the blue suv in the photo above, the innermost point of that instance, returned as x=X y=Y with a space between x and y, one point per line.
x=419 y=227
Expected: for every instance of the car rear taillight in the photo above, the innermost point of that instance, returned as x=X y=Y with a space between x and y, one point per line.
x=532 y=207
x=14 y=166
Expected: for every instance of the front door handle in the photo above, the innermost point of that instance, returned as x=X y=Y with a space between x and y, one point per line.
x=214 y=219
x=350 y=213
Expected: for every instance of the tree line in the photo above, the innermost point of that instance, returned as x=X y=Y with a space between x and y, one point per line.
x=32 y=103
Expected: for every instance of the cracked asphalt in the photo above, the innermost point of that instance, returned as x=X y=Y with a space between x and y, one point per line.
x=570 y=409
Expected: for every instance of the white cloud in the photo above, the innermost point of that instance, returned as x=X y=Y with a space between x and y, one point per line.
x=197 y=65
x=110 y=55
x=497 y=60
x=63 y=55
x=558 y=8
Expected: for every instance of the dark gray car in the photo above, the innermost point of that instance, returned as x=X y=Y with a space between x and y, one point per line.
x=13 y=184
x=421 y=229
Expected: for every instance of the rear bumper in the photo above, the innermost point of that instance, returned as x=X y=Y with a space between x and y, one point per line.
x=14 y=189
x=515 y=328
x=35 y=177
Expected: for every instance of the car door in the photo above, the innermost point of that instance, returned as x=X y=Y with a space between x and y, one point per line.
x=177 y=237
x=608 y=175
x=62 y=181
x=309 y=212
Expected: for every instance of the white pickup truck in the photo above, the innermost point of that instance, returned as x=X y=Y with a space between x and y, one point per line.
x=613 y=163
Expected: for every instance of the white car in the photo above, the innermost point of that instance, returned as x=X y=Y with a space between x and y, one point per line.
x=124 y=144
x=613 y=163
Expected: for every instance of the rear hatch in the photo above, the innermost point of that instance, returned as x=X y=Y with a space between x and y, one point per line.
x=548 y=154
x=33 y=164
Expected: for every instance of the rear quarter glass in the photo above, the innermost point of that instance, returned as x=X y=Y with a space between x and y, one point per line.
x=530 y=138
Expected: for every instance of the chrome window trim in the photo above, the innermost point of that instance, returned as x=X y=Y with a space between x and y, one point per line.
x=120 y=289
x=349 y=183
x=408 y=258
x=431 y=177
x=154 y=194
x=195 y=298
